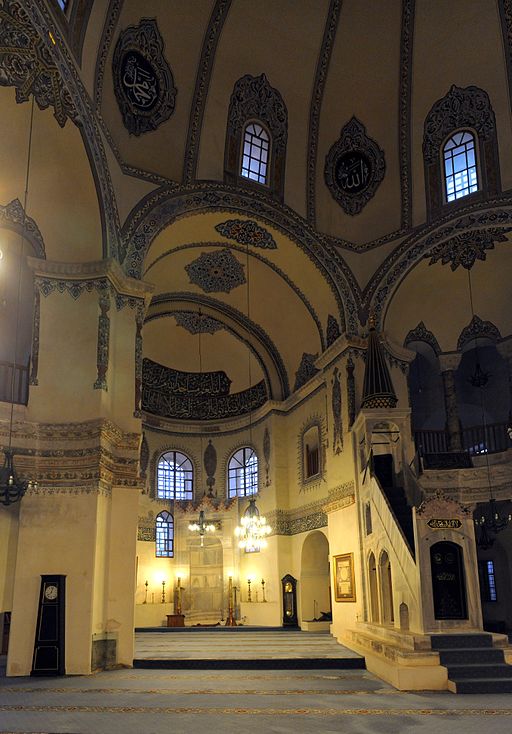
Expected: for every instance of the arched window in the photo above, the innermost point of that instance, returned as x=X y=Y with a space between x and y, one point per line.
x=243 y=473
x=164 y=547
x=174 y=477
x=255 y=153
x=460 y=174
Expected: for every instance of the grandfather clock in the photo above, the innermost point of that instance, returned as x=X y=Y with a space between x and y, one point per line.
x=290 y=618
x=49 y=648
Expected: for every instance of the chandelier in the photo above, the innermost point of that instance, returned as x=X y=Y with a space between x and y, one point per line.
x=253 y=529
x=489 y=524
x=202 y=526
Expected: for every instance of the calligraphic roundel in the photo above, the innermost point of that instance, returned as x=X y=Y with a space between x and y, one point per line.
x=143 y=81
x=354 y=168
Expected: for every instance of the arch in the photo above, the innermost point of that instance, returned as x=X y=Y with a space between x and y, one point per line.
x=477 y=329
x=161 y=208
x=448 y=580
x=315 y=592
x=254 y=100
x=243 y=472
x=426 y=390
x=256 y=339
x=421 y=334
x=374 y=589
x=460 y=109
x=386 y=588
x=164 y=535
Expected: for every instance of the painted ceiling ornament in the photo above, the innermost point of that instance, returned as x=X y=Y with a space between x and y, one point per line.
x=143 y=81
x=306 y=370
x=476 y=329
x=266 y=454
x=210 y=465
x=422 y=334
x=193 y=323
x=333 y=330
x=254 y=97
x=26 y=63
x=246 y=232
x=354 y=168
x=466 y=248
x=216 y=272
x=460 y=107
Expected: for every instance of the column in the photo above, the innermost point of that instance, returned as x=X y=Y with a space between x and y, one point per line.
x=449 y=364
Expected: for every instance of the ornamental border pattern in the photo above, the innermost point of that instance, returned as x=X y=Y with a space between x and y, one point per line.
x=12 y=216
x=258 y=256
x=322 y=68
x=404 y=112
x=113 y=13
x=202 y=85
x=41 y=21
x=161 y=208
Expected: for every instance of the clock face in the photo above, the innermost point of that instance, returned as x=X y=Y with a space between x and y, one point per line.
x=50 y=592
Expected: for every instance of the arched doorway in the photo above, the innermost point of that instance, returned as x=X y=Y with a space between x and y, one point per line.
x=386 y=589
x=315 y=595
x=374 y=592
x=206 y=574
x=448 y=582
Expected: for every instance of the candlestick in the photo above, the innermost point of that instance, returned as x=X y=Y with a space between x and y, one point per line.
x=230 y=621
x=152 y=597
x=146 y=593
x=163 y=591
x=249 y=597
x=263 y=589
x=178 y=606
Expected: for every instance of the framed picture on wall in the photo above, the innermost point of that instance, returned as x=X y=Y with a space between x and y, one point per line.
x=344 y=584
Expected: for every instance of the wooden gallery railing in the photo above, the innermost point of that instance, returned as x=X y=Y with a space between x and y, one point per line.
x=20 y=392
x=476 y=440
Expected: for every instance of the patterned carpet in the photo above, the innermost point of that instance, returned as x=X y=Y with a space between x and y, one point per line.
x=182 y=702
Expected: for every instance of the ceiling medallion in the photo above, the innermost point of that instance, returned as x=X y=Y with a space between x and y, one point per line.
x=216 y=272
x=354 y=168
x=143 y=81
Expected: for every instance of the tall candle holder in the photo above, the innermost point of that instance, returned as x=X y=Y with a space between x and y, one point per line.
x=249 y=597
x=146 y=593
x=163 y=591
x=178 y=605
x=263 y=589
x=230 y=621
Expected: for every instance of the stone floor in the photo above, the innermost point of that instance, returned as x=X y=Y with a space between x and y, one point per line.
x=227 y=702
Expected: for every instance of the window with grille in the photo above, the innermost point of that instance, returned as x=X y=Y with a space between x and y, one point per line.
x=63 y=5
x=256 y=145
x=311 y=452
x=487 y=581
x=164 y=535
x=460 y=172
x=175 y=475
x=243 y=473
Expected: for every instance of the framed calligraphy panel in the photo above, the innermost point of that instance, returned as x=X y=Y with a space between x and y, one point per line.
x=143 y=81
x=344 y=581
x=354 y=168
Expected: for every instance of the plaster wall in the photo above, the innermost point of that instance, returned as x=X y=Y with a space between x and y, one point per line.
x=8 y=550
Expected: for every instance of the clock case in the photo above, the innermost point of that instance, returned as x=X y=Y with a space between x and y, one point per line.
x=49 y=644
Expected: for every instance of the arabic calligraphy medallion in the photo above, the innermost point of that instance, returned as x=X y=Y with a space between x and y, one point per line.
x=354 y=168
x=143 y=81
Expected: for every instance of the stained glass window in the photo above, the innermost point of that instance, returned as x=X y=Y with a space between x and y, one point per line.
x=255 y=153
x=243 y=473
x=164 y=535
x=63 y=5
x=175 y=475
x=460 y=165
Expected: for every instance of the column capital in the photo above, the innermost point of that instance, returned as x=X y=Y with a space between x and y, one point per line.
x=449 y=361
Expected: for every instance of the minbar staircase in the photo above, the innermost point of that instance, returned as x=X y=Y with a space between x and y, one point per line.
x=474 y=665
x=402 y=511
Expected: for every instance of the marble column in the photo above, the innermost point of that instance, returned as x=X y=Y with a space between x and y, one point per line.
x=449 y=364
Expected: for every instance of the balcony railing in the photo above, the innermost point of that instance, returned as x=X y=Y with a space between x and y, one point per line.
x=17 y=393
x=476 y=440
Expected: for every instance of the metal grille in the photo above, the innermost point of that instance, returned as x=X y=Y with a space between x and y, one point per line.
x=175 y=476
x=243 y=473
x=460 y=166
x=255 y=154
x=164 y=535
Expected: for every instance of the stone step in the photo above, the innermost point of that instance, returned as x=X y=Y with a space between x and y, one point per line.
x=471 y=656
x=477 y=639
x=480 y=685
x=456 y=672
